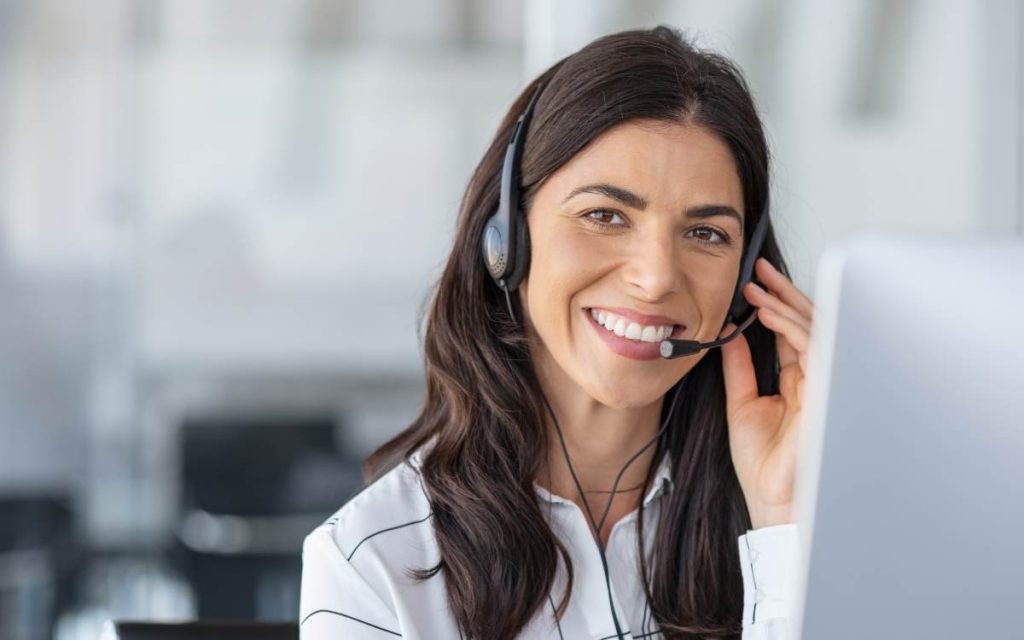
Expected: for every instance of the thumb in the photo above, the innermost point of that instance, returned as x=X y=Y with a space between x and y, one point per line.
x=738 y=371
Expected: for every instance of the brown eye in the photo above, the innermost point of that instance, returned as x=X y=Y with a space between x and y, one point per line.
x=709 y=233
x=602 y=217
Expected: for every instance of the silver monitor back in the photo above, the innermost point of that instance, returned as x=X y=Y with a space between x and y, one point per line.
x=910 y=491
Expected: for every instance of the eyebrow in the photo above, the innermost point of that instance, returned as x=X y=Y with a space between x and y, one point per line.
x=635 y=201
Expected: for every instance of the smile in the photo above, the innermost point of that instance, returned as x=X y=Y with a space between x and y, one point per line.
x=624 y=327
x=615 y=331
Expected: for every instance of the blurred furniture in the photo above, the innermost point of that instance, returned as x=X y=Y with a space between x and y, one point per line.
x=37 y=562
x=130 y=630
x=253 y=486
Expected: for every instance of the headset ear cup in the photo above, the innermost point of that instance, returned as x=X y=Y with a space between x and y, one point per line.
x=740 y=306
x=521 y=267
x=493 y=249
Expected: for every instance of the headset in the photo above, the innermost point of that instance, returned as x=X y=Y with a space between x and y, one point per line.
x=505 y=248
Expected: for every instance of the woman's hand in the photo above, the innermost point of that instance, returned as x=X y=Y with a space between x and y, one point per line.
x=763 y=429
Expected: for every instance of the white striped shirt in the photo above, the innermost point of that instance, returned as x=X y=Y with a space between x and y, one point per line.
x=354 y=581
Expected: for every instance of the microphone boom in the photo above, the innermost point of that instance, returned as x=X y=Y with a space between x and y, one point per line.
x=676 y=348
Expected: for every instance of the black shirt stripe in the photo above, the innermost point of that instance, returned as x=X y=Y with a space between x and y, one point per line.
x=375 y=533
x=554 y=614
x=345 y=615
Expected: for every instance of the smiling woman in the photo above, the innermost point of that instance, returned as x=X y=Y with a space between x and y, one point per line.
x=643 y=172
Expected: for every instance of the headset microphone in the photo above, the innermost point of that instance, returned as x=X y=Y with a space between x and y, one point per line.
x=675 y=348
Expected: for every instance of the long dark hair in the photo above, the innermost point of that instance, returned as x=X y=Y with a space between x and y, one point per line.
x=483 y=402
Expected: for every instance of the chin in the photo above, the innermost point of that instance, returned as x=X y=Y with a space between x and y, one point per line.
x=627 y=397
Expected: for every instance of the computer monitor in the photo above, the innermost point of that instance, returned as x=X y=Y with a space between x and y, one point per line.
x=910 y=490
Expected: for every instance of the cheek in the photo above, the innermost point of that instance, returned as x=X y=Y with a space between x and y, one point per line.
x=561 y=266
x=712 y=292
x=570 y=256
x=564 y=262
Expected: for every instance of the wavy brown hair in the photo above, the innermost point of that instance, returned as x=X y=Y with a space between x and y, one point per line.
x=483 y=402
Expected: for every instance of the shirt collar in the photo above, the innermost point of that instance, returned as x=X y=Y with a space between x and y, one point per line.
x=661 y=483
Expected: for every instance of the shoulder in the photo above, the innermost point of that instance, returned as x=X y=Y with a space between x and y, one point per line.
x=356 y=563
x=389 y=522
x=350 y=582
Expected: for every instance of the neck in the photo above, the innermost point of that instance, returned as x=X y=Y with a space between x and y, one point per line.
x=600 y=440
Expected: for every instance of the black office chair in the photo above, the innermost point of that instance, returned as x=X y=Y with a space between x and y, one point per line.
x=131 y=630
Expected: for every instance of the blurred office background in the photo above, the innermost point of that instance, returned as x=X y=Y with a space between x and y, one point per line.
x=219 y=220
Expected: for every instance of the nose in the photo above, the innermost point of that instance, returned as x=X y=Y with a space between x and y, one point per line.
x=653 y=270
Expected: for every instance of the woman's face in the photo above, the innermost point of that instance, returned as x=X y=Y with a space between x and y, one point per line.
x=644 y=221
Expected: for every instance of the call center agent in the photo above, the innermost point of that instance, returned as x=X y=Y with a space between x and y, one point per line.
x=568 y=477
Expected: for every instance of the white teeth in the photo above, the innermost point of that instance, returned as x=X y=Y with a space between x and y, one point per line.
x=620 y=327
x=631 y=330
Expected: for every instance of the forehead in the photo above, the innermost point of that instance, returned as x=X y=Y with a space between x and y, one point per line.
x=667 y=162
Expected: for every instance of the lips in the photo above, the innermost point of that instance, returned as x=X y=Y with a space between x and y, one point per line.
x=626 y=347
x=640 y=318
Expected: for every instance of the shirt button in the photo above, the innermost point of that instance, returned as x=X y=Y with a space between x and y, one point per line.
x=754 y=555
x=759 y=595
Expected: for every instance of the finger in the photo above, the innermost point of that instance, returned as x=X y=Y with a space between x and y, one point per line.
x=792 y=367
x=761 y=298
x=790 y=379
x=797 y=335
x=787 y=354
x=738 y=371
x=779 y=284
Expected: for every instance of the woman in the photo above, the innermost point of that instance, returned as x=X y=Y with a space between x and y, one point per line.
x=498 y=513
